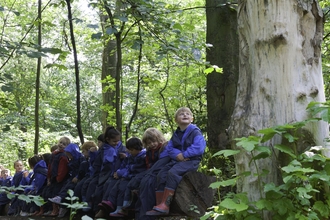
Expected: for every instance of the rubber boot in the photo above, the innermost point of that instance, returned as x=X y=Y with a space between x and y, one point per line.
x=159 y=197
x=41 y=211
x=123 y=211
x=55 y=211
x=101 y=214
x=131 y=204
x=115 y=213
x=164 y=207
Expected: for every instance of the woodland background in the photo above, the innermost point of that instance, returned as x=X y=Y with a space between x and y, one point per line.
x=129 y=64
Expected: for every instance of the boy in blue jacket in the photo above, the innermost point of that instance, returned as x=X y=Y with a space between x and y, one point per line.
x=185 y=149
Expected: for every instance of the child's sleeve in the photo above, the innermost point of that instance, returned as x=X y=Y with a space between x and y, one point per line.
x=196 y=148
x=172 y=152
x=62 y=169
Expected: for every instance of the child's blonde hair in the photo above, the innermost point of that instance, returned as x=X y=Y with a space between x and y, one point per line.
x=88 y=145
x=182 y=109
x=153 y=134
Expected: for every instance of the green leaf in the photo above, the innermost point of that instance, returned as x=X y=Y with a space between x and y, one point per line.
x=59 y=66
x=285 y=149
x=35 y=54
x=177 y=26
x=97 y=36
x=231 y=204
x=226 y=153
x=322 y=208
x=264 y=204
x=292 y=169
x=230 y=182
x=111 y=30
x=249 y=143
x=268 y=134
x=51 y=50
x=122 y=18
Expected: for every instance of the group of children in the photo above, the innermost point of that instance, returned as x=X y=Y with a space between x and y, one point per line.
x=111 y=178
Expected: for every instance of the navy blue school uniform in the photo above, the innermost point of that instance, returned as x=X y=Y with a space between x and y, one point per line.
x=18 y=180
x=133 y=166
x=3 y=196
x=85 y=172
x=152 y=156
x=147 y=197
x=191 y=144
x=104 y=166
x=37 y=182
x=74 y=165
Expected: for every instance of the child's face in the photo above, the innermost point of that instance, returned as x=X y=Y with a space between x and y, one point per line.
x=18 y=166
x=4 y=174
x=114 y=141
x=62 y=143
x=133 y=152
x=184 y=118
x=99 y=143
x=85 y=153
x=152 y=144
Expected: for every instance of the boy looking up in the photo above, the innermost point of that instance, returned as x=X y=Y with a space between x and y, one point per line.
x=185 y=149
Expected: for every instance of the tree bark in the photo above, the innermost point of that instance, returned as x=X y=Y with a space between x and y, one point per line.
x=280 y=73
x=36 y=108
x=221 y=88
x=193 y=195
x=76 y=68
x=109 y=60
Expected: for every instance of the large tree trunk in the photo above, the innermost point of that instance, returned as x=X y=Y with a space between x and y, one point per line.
x=280 y=73
x=221 y=88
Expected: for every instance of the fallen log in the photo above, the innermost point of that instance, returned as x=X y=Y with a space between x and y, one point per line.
x=193 y=195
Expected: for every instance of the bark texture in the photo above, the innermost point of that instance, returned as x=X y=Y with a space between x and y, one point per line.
x=221 y=88
x=193 y=196
x=280 y=73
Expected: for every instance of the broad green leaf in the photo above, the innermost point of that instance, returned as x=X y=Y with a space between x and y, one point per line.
x=177 y=26
x=97 y=36
x=268 y=134
x=122 y=18
x=291 y=169
x=226 y=153
x=322 y=208
x=230 y=182
x=111 y=30
x=230 y=204
x=51 y=50
x=285 y=149
x=34 y=54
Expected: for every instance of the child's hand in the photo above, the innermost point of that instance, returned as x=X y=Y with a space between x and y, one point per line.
x=75 y=180
x=25 y=174
x=122 y=155
x=180 y=157
x=115 y=175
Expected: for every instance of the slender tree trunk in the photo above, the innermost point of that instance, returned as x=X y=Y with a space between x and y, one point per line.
x=80 y=133
x=36 y=108
x=280 y=73
x=221 y=88
x=109 y=60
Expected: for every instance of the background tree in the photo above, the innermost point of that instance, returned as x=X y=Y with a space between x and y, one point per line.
x=221 y=88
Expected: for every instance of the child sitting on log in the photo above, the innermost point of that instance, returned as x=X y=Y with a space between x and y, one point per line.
x=185 y=149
